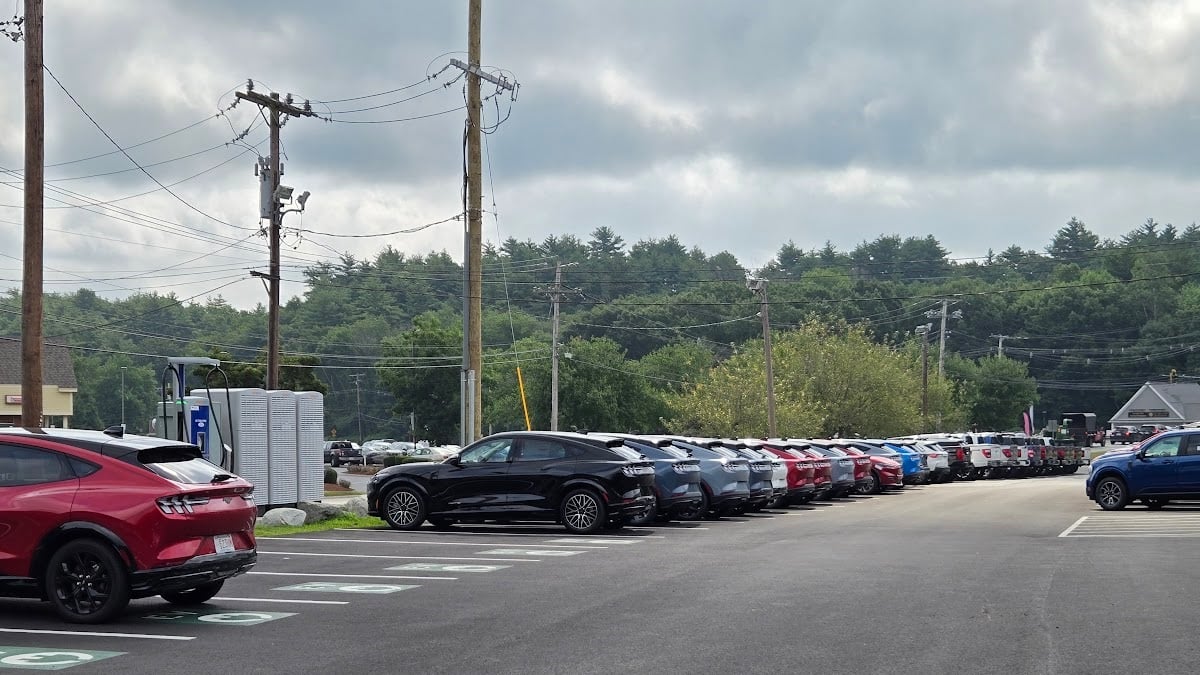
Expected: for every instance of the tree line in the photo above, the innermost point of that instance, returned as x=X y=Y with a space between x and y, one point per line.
x=660 y=336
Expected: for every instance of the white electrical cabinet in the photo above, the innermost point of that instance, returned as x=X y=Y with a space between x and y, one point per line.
x=282 y=462
x=310 y=440
x=240 y=416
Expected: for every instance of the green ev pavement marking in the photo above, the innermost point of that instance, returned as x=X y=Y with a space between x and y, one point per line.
x=443 y=567
x=217 y=618
x=41 y=658
x=549 y=553
x=327 y=587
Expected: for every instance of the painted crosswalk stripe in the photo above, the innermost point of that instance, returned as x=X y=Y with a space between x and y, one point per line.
x=593 y=541
x=391 y=557
x=350 y=576
x=417 y=543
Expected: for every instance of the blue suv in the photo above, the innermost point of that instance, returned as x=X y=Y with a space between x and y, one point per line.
x=1164 y=468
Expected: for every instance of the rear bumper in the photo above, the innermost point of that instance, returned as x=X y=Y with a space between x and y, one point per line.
x=195 y=572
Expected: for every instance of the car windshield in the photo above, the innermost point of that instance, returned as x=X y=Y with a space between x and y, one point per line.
x=181 y=464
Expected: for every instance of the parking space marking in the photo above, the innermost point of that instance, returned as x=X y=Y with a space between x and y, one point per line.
x=178 y=616
x=594 y=541
x=418 y=543
x=42 y=658
x=327 y=587
x=549 y=553
x=1163 y=524
x=92 y=633
x=392 y=557
x=284 y=600
x=350 y=576
x=439 y=567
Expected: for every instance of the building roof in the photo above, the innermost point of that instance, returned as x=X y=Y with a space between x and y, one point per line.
x=1181 y=401
x=57 y=368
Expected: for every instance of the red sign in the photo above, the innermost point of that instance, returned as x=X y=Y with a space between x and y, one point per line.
x=12 y=399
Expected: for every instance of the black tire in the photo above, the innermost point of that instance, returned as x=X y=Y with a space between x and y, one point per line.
x=698 y=511
x=333 y=461
x=1111 y=493
x=195 y=596
x=582 y=512
x=1156 y=504
x=871 y=487
x=963 y=472
x=645 y=517
x=86 y=582
x=404 y=508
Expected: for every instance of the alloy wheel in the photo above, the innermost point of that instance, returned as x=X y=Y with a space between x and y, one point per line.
x=83 y=583
x=403 y=508
x=1110 y=494
x=581 y=511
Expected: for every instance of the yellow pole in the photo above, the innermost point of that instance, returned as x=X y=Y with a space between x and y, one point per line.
x=524 y=404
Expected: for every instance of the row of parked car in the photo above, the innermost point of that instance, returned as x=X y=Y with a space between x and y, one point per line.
x=376 y=452
x=595 y=480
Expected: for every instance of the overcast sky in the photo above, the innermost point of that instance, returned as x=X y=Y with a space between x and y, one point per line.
x=736 y=125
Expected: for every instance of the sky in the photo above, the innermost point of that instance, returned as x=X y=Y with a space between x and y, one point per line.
x=737 y=126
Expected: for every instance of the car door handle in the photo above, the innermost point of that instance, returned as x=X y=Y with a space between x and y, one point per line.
x=1168 y=461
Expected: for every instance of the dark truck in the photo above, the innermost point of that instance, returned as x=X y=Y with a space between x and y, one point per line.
x=1080 y=428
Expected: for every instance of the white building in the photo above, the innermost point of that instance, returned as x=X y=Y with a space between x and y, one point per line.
x=1170 y=404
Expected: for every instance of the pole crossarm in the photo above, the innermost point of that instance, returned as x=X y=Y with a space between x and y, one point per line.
x=474 y=69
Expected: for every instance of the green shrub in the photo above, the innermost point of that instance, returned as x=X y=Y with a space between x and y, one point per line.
x=331 y=476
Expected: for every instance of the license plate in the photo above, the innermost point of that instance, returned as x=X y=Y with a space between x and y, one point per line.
x=223 y=543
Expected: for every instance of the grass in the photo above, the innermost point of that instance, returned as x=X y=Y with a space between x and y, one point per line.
x=345 y=493
x=347 y=520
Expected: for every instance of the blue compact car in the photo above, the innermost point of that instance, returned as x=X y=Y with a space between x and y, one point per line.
x=1164 y=468
x=915 y=471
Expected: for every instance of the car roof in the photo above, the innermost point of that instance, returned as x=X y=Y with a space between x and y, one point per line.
x=110 y=445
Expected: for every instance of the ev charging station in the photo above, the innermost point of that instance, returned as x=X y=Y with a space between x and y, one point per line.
x=271 y=438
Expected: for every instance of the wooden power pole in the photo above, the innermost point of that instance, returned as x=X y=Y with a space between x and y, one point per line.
x=277 y=108
x=31 y=282
x=759 y=288
x=474 y=219
x=472 y=389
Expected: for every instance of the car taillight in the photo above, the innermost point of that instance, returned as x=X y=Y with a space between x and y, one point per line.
x=686 y=468
x=987 y=453
x=633 y=470
x=179 y=503
x=732 y=468
x=1007 y=452
x=960 y=455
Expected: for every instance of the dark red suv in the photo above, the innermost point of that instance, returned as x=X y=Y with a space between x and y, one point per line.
x=89 y=520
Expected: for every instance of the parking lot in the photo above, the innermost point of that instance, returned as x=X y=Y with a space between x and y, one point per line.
x=1004 y=576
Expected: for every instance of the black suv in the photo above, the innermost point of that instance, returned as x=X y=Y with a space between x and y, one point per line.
x=584 y=483
x=337 y=453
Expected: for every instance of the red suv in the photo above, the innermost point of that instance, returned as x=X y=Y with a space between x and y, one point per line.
x=89 y=520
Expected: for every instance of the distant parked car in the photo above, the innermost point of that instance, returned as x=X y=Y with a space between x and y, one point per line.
x=676 y=480
x=1121 y=435
x=337 y=453
x=583 y=482
x=724 y=481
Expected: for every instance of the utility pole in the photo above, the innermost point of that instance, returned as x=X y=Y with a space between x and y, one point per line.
x=472 y=422
x=759 y=288
x=358 y=404
x=278 y=110
x=554 y=349
x=31 y=282
x=1000 y=344
x=923 y=331
x=123 y=398
x=944 y=314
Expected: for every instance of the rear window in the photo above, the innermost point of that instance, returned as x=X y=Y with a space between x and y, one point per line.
x=626 y=453
x=181 y=464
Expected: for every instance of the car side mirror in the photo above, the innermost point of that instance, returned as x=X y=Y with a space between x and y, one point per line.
x=1141 y=454
x=454 y=460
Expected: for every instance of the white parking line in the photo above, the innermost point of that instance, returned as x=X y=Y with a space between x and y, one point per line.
x=342 y=576
x=420 y=543
x=283 y=600
x=591 y=541
x=1074 y=525
x=88 y=633
x=392 y=557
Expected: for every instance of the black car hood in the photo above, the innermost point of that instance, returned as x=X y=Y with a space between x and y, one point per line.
x=412 y=469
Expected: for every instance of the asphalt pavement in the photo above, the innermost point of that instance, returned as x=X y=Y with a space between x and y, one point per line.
x=1020 y=576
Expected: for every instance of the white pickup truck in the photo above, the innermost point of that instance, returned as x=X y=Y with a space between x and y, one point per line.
x=993 y=455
